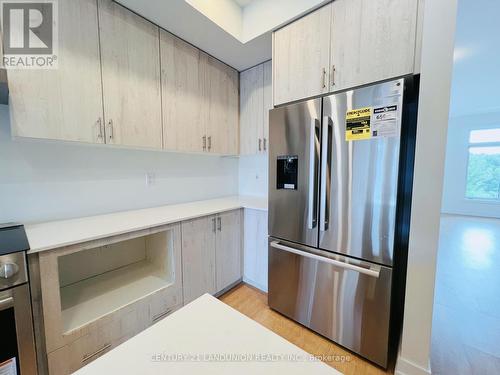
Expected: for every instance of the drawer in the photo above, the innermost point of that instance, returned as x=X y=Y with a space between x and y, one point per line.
x=84 y=350
x=164 y=302
x=343 y=299
x=108 y=332
x=114 y=329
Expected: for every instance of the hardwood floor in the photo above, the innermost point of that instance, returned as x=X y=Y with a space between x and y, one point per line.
x=466 y=322
x=253 y=303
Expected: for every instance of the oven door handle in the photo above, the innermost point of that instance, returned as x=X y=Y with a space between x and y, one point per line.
x=6 y=303
x=373 y=271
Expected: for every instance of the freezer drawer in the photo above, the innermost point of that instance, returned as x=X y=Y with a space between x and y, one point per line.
x=346 y=300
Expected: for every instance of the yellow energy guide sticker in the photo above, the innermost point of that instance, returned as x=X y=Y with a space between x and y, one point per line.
x=357 y=125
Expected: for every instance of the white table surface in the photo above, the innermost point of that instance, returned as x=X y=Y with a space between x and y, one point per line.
x=206 y=328
x=56 y=234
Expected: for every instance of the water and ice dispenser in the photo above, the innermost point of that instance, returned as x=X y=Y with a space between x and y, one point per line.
x=287 y=172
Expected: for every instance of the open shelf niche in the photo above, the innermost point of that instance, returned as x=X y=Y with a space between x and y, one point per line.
x=98 y=281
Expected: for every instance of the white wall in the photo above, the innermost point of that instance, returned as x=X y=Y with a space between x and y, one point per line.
x=477 y=55
x=253 y=175
x=42 y=180
x=454 y=200
x=439 y=18
x=475 y=100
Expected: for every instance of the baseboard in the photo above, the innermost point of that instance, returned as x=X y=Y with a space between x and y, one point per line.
x=255 y=284
x=405 y=367
x=226 y=289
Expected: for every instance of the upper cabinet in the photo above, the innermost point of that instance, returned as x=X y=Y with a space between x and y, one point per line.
x=268 y=101
x=255 y=103
x=365 y=41
x=222 y=106
x=372 y=40
x=301 y=57
x=130 y=77
x=183 y=96
x=199 y=100
x=63 y=103
x=123 y=81
x=252 y=109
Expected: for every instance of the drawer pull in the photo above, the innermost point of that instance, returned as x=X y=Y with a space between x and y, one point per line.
x=161 y=315
x=86 y=357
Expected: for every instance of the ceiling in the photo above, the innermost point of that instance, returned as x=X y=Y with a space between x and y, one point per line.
x=476 y=75
x=242 y=3
x=237 y=32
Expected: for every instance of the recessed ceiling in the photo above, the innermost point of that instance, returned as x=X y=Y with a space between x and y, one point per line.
x=242 y=3
x=237 y=32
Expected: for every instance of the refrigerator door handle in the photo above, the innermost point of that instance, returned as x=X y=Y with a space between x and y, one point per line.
x=313 y=188
x=326 y=151
x=373 y=271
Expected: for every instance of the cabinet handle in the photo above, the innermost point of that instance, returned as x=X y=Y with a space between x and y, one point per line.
x=204 y=138
x=213 y=224
x=99 y=125
x=333 y=75
x=161 y=315
x=86 y=357
x=324 y=78
x=260 y=144
x=110 y=130
x=209 y=143
x=265 y=144
x=219 y=221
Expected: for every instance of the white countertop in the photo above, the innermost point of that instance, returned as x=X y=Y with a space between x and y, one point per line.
x=206 y=329
x=55 y=234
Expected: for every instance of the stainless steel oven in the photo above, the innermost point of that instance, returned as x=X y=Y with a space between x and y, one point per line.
x=17 y=347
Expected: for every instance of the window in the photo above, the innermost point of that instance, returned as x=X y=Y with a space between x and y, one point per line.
x=483 y=170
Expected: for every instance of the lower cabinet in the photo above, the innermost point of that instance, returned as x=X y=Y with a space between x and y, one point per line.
x=228 y=249
x=211 y=254
x=99 y=294
x=198 y=257
x=93 y=296
x=255 y=248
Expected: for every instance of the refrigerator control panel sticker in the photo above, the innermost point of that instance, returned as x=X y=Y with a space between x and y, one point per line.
x=384 y=122
x=358 y=124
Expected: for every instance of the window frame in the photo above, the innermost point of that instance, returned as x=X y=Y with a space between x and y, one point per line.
x=482 y=145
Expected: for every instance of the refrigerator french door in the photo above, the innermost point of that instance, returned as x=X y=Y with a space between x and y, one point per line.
x=340 y=174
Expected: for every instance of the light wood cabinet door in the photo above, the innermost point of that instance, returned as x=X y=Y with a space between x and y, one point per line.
x=228 y=254
x=130 y=76
x=252 y=110
x=222 y=87
x=372 y=40
x=268 y=103
x=63 y=103
x=198 y=257
x=301 y=57
x=255 y=248
x=183 y=100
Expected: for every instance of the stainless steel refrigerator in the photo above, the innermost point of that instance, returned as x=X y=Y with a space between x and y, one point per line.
x=340 y=177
